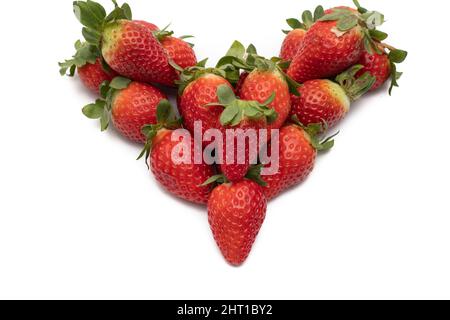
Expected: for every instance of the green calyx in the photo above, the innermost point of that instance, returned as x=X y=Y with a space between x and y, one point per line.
x=85 y=53
x=396 y=56
x=215 y=180
x=164 y=33
x=355 y=87
x=101 y=108
x=236 y=110
x=166 y=119
x=253 y=174
x=315 y=133
x=307 y=20
x=94 y=18
x=247 y=59
x=367 y=20
x=191 y=74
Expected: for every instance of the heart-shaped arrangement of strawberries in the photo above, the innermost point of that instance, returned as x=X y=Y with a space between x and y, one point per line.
x=249 y=127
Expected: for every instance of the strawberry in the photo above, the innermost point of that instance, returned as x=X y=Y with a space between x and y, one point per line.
x=294 y=38
x=182 y=179
x=152 y=27
x=130 y=106
x=131 y=48
x=261 y=84
x=90 y=66
x=328 y=102
x=200 y=92
x=298 y=147
x=265 y=78
x=236 y=213
x=382 y=65
x=239 y=118
x=335 y=43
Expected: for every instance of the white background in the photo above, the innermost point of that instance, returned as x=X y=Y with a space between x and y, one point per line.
x=80 y=218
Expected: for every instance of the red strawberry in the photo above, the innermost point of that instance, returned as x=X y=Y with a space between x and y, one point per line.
x=179 y=51
x=265 y=78
x=260 y=85
x=133 y=51
x=294 y=38
x=333 y=44
x=152 y=27
x=130 y=105
x=88 y=62
x=291 y=44
x=241 y=119
x=181 y=180
x=200 y=92
x=131 y=48
x=181 y=177
x=236 y=213
x=378 y=65
x=327 y=102
x=298 y=148
x=93 y=75
x=382 y=65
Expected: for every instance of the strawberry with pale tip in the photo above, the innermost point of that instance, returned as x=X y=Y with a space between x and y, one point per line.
x=328 y=102
x=132 y=48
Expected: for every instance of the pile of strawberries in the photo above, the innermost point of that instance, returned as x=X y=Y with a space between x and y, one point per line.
x=329 y=59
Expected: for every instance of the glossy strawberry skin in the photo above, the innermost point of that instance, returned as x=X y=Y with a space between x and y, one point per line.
x=195 y=98
x=152 y=27
x=241 y=82
x=292 y=43
x=180 y=52
x=93 y=75
x=323 y=54
x=236 y=213
x=260 y=85
x=181 y=180
x=320 y=101
x=233 y=170
x=135 y=107
x=132 y=51
x=296 y=159
x=377 y=65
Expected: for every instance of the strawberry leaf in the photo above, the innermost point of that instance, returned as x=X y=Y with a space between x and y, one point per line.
x=164 y=111
x=119 y=83
x=236 y=50
x=318 y=13
x=308 y=19
x=94 y=110
x=378 y=35
x=229 y=114
x=225 y=94
x=397 y=56
x=217 y=179
x=254 y=174
x=295 y=24
x=91 y=14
